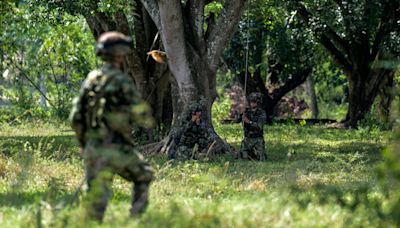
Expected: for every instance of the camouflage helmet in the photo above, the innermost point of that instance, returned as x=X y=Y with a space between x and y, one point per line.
x=195 y=107
x=113 y=43
x=255 y=97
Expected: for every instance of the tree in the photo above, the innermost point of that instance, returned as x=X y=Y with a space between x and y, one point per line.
x=279 y=54
x=192 y=41
x=194 y=44
x=129 y=17
x=363 y=38
x=44 y=55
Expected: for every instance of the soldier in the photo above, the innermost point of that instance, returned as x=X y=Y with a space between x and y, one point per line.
x=103 y=115
x=193 y=132
x=253 y=118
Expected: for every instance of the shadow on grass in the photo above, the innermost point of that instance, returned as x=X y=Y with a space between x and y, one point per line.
x=19 y=199
x=278 y=151
x=364 y=151
x=57 y=146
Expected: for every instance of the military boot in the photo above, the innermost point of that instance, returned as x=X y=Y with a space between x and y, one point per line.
x=140 y=199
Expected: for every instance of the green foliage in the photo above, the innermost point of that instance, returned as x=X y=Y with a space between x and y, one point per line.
x=331 y=88
x=213 y=7
x=273 y=40
x=221 y=109
x=354 y=20
x=45 y=55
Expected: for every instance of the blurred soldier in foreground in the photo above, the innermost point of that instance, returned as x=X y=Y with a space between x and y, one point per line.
x=253 y=119
x=103 y=115
x=193 y=140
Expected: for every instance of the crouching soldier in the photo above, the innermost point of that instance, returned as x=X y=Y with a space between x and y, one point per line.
x=103 y=115
x=193 y=139
x=253 y=119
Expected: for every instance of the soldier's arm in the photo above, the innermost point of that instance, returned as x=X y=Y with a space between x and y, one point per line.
x=126 y=108
x=139 y=109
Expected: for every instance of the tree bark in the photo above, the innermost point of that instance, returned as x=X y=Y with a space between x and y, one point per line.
x=363 y=89
x=151 y=78
x=43 y=94
x=313 y=97
x=193 y=54
x=386 y=97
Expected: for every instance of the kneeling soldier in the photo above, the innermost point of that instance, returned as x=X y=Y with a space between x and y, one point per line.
x=193 y=132
x=253 y=119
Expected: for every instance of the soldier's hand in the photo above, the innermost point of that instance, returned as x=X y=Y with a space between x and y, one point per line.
x=245 y=119
x=81 y=151
x=194 y=118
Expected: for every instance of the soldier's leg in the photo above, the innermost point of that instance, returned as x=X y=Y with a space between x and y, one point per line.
x=244 y=149
x=171 y=153
x=99 y=178
x=141 y=190
x=183 y=152
x=259 y=149
x=141 y=174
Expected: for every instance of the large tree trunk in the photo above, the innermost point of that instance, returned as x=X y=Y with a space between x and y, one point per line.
x=152 y=80
x=313 y=96
x=364 y=86
x=386 y=97
x=193 y=54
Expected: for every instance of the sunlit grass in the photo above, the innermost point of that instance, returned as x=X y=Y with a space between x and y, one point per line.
x=40 y=168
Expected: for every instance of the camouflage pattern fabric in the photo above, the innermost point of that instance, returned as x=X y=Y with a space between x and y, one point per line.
x=253 y=148
x=103 y=115
x=253 y=145
x=191 y=135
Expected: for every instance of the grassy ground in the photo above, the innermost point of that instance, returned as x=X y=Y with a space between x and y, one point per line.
x=312 y=178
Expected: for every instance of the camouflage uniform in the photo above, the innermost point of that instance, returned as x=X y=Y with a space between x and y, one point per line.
x=253 y=145
x=103 y=115
x=190 y=135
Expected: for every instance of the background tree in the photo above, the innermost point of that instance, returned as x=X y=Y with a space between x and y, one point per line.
x=43 y=55
x=363 y=39
x=280 y=54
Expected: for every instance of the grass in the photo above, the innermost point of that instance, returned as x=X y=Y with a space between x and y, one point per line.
x=312 y=178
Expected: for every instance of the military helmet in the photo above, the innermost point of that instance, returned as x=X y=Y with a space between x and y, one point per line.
x=113 y=43
x=255 y=97
x=195 y=107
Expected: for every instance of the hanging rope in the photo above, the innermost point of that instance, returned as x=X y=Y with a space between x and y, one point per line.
x=246 y=56
x=247 y=49
x=158 y=55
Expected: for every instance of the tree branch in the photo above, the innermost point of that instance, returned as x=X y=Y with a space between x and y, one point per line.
x=390 y=12
x=223 y=30
x=154 y=11
x=141 y=37
x=22 y=71
x=99 y=23
x=194 y=11
x=342 y=44
x=337 y=55
x=121 y=23
x=173 y=38
x=291 y=84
